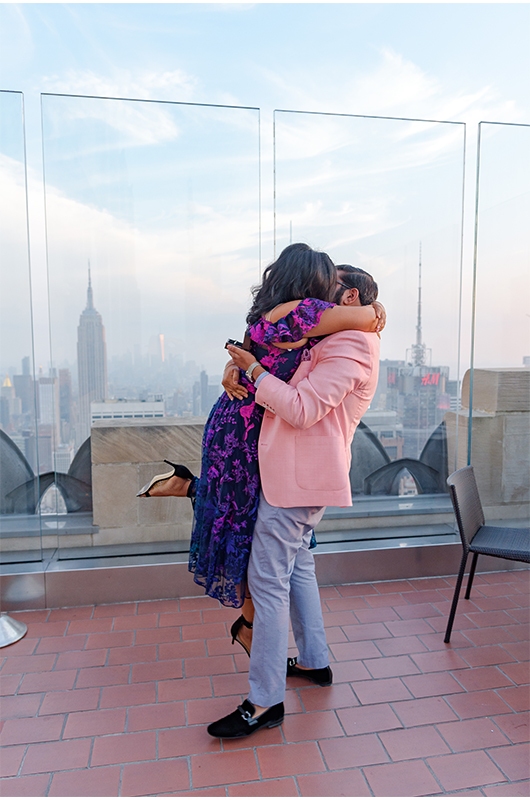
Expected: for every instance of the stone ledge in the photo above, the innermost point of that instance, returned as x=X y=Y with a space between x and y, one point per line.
x=503 y=389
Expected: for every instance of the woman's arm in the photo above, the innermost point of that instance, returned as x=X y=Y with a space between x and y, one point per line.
x=371 y=319
x=347 y=318
x=291 y=345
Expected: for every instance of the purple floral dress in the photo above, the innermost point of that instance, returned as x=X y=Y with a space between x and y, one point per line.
x=227 y=496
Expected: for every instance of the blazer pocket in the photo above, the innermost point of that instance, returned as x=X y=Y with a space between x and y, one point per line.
x=320 y=463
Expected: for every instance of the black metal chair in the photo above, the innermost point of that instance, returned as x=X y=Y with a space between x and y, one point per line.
x=477 y=537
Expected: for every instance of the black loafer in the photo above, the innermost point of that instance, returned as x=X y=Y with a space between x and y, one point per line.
x=322 y=677
x=240 y=723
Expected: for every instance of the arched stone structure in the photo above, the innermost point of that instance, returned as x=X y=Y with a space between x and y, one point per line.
x=386 y=479
x=367 y=456
x=21 y=491
x=15 y=471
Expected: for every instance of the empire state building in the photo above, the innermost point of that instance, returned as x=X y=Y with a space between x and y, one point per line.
x=91 y=361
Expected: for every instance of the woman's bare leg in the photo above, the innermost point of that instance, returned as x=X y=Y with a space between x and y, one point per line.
x=247 y=610
x=173 y=487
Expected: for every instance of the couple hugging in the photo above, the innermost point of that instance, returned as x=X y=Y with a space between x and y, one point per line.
x=276 y=452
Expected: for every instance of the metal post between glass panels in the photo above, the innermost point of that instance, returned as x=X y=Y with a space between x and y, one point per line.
x=19 y=438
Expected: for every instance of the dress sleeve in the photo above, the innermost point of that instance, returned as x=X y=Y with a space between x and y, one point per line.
x=293 y=327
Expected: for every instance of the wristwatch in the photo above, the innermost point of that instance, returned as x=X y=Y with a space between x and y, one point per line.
x=251 y=369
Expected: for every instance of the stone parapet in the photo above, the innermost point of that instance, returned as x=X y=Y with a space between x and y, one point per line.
x=497 y=391
x=500 y=439
x=125 y=456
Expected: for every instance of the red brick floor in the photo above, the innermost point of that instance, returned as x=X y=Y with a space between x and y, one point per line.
x=113 y=700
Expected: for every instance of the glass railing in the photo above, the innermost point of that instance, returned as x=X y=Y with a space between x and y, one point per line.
x=21 y=442
x=497 y=424
x=386 y=195
x=153 y=230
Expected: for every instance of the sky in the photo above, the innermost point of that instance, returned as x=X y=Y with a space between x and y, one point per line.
x=165 y=200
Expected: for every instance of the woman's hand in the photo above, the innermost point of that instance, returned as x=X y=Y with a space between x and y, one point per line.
x=231 y=385
x=380 y=314
x=241 y=358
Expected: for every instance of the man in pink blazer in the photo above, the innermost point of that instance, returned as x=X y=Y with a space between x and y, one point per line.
x=304 y=457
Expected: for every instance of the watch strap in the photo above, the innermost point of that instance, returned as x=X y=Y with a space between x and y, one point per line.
x=251 y=369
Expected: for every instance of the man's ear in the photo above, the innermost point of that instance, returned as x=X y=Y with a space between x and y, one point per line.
x=351 y=297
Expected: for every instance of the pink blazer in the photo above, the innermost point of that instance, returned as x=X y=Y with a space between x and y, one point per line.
x=308 y=426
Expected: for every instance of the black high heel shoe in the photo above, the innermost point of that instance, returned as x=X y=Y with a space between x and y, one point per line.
x=178 y=469
x=236 y=627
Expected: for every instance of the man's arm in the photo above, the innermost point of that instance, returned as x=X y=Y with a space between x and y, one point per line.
x=344 y=362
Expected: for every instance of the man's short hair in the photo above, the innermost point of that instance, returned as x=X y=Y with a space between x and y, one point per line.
x=357 y=278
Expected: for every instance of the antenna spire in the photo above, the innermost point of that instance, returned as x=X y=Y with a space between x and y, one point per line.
x=418 y=325
x=419 y=351
x=90 y=295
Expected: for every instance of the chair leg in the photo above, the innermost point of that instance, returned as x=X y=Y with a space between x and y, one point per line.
x=455 y=599
x=471 y=575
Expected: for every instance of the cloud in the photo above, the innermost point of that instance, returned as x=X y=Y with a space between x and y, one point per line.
x=139 y=123
x=175 y=85
x=188 y=278
x=15 y=305
x=142 y=107
x=395 y=87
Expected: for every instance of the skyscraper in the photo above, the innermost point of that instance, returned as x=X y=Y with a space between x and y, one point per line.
x=65 y=405
x=9 y=404
x=91 y=362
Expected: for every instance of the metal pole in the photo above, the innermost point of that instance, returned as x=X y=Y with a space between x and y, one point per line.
x=11 y=630
x=474 y=304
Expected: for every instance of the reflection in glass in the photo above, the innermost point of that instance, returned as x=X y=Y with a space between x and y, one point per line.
x=498 y=424
x=20 y=442
x=152 y=213
x=386 y=195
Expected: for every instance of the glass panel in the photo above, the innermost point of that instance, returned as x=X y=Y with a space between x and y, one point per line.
x=500 y=429
x=19 y=444
x=153 y=242
x=386 y=195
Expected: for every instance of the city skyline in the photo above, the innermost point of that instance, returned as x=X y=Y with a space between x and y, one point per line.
x=177 y=193
x=392 y=69
x=411 y=398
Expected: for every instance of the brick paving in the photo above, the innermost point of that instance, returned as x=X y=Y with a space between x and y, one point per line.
x=113 y=700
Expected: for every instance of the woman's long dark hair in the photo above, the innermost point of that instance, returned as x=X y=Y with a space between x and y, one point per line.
x=298 y=272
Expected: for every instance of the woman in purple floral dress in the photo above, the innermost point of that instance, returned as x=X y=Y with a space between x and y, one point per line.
x=298 y=286
x=226 y=503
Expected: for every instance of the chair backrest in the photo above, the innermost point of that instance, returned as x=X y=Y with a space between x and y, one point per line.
x=466 y=503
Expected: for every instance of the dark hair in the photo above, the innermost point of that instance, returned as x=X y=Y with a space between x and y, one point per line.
x=298 y=272
x=357 y=278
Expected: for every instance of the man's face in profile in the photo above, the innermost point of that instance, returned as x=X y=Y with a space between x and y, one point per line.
x=344 y=295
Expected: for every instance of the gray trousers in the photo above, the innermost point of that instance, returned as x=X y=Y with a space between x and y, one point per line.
x=281 y=578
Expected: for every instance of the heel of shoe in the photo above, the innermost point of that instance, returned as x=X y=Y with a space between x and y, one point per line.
x=238 y=624
x=180 y=470
x=276 y=723
x=236 y=627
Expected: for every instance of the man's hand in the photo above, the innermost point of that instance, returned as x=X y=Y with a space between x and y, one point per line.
x=231 y=385
x=380 y=313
